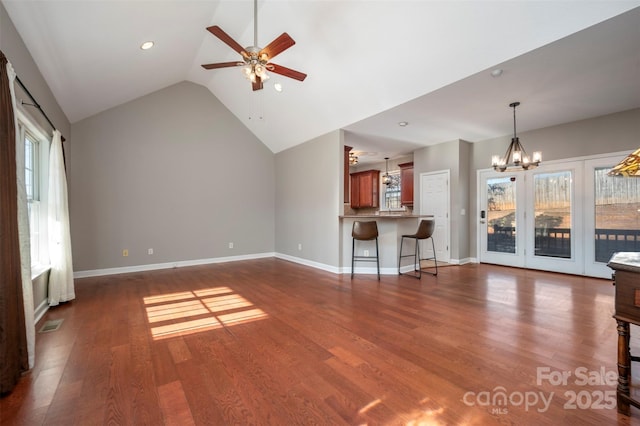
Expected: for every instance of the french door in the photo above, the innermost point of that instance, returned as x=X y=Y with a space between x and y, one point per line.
x=530 y=218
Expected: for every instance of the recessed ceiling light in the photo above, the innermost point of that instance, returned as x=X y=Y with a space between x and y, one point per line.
x=278 y=87
x=403 y=123
x=496 y=73
x=146 y=45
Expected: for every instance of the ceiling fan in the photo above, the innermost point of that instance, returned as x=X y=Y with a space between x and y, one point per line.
x=256 y=60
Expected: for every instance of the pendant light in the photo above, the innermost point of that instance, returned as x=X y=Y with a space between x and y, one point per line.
x=516 y=157
x=386 y=179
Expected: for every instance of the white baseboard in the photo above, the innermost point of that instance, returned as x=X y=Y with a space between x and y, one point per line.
x=40 y=310
x=462 y=261
x=308 y=262
x=183 y=263
x=168 y=265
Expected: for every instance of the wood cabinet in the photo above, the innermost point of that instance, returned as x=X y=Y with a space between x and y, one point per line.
x=406 y=184
x=365 y=188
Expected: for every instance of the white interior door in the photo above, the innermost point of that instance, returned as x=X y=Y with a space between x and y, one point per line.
x=434 y=200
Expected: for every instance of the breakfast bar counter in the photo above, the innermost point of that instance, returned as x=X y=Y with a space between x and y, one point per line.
x=391 y=227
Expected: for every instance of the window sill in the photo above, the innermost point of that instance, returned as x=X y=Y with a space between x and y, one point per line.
x=38 y=269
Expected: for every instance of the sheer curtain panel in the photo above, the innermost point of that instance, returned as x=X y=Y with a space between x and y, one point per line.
x=61 y=287
x=13 y=336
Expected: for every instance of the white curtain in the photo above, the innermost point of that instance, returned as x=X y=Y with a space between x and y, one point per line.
x=23 y=230
x=61 y=287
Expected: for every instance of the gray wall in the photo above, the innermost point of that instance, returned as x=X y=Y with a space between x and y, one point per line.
x=601 y=135
x=174 y=171
x=15 y=50
x=453 y=156
x=308 y=200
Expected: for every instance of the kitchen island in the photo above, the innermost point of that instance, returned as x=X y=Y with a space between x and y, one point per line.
x=391 y=227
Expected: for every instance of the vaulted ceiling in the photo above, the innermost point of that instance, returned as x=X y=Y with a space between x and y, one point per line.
x=370 y=63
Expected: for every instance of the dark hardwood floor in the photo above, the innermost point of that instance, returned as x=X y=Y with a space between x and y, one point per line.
x=272 y=342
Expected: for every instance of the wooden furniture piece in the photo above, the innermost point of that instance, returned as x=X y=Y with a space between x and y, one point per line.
x=406 y=184
x=425 y=230
x=626 y=276
x=364 y=231
x=365 y=189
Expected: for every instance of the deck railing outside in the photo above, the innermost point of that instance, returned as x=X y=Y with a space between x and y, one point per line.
x=556 y=242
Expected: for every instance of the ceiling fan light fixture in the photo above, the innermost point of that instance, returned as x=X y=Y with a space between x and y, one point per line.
x=255 y=60
x=147 y=45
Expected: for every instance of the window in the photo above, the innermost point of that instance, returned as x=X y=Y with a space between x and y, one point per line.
x=36 y=152
x=390 y=194
x=32 y=185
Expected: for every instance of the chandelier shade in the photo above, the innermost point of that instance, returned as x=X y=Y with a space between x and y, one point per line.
x=629 y=167
x=516 y=157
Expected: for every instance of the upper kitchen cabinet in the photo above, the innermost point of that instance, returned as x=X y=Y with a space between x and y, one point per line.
x=406 y=186
x=365 y=189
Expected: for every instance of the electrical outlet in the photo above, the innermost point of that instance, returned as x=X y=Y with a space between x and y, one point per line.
x=366 y=252
x=150 y=251
x=125 y=252
x=230 y=245
x=300 y=247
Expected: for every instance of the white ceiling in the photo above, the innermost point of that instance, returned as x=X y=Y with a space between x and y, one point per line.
x=370 y=63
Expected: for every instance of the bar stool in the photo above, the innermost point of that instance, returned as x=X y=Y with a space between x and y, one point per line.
x=425 y=230
x=364 y=231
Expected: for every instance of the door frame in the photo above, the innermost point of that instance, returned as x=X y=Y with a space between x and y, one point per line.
x=516 y=259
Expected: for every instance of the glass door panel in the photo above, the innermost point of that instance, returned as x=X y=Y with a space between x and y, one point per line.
x=617 y=217
x=552 y=210
x=553 y=220
x=501 y=221
x=612 y=216
x=501 y=215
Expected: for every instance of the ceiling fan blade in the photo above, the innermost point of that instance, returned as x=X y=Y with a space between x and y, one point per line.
x=226 y=38
x=277 y=46
x=257 y=85
x=222 y=65
x=287 y=72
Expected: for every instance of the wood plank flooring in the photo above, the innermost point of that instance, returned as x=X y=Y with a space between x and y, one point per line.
x=272 y=342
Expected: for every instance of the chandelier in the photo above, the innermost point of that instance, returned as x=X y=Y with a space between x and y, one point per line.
x=353 y=159
x=516 y=157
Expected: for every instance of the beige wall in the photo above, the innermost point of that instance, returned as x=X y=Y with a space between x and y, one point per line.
x=308 y=201
x=174 y=171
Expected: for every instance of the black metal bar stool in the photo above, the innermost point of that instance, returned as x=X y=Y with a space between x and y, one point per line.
x=364 y=231
x=425 y=230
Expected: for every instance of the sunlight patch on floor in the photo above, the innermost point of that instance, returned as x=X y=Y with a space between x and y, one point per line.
x=189 y=312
